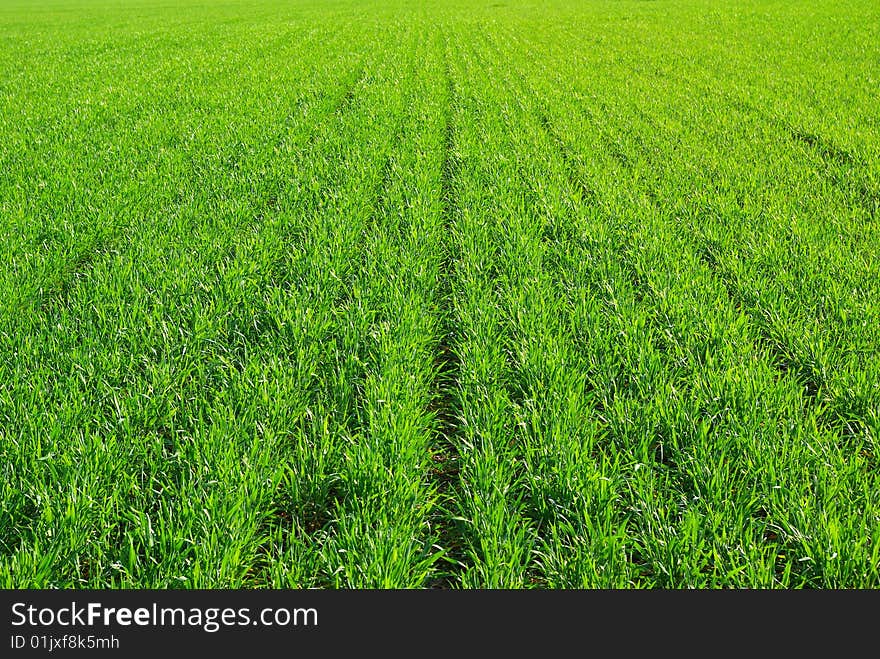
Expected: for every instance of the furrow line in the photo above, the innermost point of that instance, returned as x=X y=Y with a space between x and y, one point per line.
x=446 y=457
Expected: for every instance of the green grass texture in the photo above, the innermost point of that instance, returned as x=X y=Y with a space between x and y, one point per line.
x=439 y=294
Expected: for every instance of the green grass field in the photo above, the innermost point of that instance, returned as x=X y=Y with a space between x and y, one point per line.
x=349 y=293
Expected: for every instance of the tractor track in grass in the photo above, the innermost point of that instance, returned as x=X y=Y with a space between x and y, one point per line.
x=446 y=458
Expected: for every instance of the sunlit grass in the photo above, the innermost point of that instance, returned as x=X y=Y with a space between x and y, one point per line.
x=400 y=295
